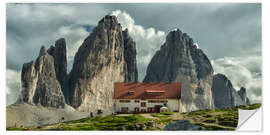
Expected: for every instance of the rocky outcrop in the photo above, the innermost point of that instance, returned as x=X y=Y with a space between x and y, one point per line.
x=179 y=60
x=106 y=56
x=39 y=82
x=243 y=94
x=60 y=62
x=130 y=58
x=225 y=95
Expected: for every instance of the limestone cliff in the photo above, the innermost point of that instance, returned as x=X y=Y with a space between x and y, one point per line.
x=106 y=56
x=59 y=52
x=243 y=94
x=179 y=60
x=39 y=82
x=225 y=95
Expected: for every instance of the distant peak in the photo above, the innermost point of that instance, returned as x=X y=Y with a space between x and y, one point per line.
x=125 y=32
x=109 y=19
x=176 y=30
x=42 y=51
x=177 y=36
x=61 y=42
x=243 y=89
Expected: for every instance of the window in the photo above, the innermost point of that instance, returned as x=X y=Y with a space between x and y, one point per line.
x=143 y=104
x=143 y=110
x=150 y=109
x=151 y=101
x=99 y=111
x=137 y=101
x=124 y=109
x=124 y=101
x=136 y=109
x=157 y=101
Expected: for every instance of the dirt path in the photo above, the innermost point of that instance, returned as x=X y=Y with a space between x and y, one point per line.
x=176 y=116
x=148 y=115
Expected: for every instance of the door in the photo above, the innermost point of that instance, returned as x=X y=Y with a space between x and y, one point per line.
x=157 y=108
x=143 y=104
x=136 y=109
x=124 y=109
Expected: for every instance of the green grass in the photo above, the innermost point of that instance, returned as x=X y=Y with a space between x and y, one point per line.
x=228 y=123
x=218 y=119
x=166 y=113
x=212 y=127
x=250 y=107
x=104 y=123
x=113 y=122
x=210 y=120
x=17 y=128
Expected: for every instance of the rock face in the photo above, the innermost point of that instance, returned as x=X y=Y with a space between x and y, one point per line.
x=130 y=58
x=39 y=82
x=243 y=94
x=179 y=60
x=60 y=62
x=182 y=125
x=225 y=95
x=106 y=56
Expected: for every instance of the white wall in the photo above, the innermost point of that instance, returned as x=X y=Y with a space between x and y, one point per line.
x=172 y=104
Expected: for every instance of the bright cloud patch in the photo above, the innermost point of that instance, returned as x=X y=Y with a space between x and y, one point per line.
x=244 y=72
x=148 y=40
x=13 y=80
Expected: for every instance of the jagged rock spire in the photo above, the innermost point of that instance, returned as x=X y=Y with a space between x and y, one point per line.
x=59 y=53
x=224 y=93
x=179 y=60
x=39 y=83
x=108 y=55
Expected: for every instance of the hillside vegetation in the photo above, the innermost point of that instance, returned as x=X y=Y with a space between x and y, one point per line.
x=218 y=119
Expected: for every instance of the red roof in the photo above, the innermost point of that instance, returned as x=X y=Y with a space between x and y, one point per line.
x=147 y=90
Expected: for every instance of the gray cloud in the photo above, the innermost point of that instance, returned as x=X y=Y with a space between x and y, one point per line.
x=242 y=71
x=148 y=40
x=13 y=86
x=221 y=30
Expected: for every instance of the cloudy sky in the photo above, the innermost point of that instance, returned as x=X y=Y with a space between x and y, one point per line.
x=230 y=35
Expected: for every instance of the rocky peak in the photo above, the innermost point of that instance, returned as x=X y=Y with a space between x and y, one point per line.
x=130 y=58
x=108 y=21
x=39 y=83
x=28 y=73
x=243 y=90
x=223 y=78
x=60 y=62
x=225 y=95
x=106 y=56
x=42 y=51
x=243 y=94
x=174 y=36
x=179 y=60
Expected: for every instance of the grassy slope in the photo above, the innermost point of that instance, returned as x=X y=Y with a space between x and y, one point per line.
x=219 y=119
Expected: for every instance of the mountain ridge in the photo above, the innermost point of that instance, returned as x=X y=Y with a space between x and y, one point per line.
x=108 y=55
